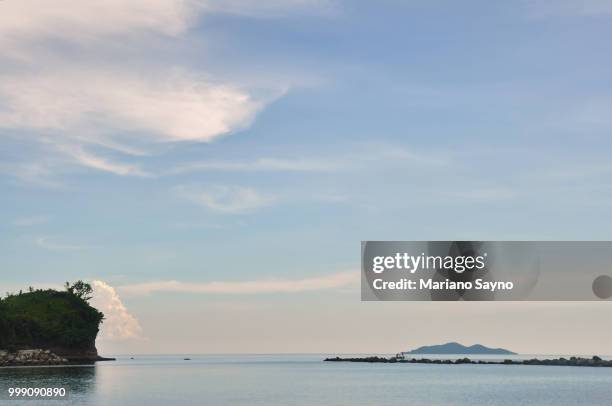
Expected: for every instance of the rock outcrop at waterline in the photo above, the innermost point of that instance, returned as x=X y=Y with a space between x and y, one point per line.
x=30 y=357
x=573 y=361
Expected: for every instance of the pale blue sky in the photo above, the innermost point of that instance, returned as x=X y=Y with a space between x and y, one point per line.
x=242 y=141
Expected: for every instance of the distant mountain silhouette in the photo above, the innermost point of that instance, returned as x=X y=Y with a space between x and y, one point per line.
x=456 y=348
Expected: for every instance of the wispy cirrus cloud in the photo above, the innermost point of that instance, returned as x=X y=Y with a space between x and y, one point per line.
x=95 y=106
x=30 y=221
x=569 y=8
x=87 y=159
x=226 y=199
x=53 y=244
x=483 y=194
x=30 y=20
x=260 y=165
x=39 y=174
x=351 y=157
x=71 y=78
x=332 y=281
x=372 y=156
x=157 y=106
x=272 y=8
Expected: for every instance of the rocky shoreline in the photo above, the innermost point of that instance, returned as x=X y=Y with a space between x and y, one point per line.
x=573 y=361
x=40 y=357
x=30 y=357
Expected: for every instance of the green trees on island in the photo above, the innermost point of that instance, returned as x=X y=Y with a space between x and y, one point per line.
x=50 y=319
x=80 y=289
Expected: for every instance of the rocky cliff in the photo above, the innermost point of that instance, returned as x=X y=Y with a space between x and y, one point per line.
x=61 y=323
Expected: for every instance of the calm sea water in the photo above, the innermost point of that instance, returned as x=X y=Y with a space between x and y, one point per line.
x=306 y=380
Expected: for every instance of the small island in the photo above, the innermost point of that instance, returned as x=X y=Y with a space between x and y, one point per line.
x=49 y=327
x=456 y=348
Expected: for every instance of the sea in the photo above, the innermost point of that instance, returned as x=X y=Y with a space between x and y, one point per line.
x=304 y=379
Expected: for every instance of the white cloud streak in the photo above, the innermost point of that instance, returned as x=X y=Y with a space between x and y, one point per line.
x=169 y=106
x=271 y=8
x=569 y=8
x=76 y=102
x=50 y=244
x=226 y=199
x=40 y=174
x=118 y=323
x=83 y=157
x=333 y=281
x=76 y=20
x=260 y=165
x=359 y=157
x=483 y=194
x=30 y=221
x=79 y=21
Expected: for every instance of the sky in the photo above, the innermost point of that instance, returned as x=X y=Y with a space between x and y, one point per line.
x=212 y=166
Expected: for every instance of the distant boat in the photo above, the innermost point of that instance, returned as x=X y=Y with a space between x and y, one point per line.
x=456 y=348
x=186 y=359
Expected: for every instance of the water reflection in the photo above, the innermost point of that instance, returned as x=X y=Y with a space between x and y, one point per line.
x=79 y=381
x=305 y=380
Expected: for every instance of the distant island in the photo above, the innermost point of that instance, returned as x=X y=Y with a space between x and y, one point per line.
x=477 y=349
x=456 y=348
x=47 y=327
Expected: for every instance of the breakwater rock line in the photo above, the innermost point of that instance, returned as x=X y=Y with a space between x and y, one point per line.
x=572 y=361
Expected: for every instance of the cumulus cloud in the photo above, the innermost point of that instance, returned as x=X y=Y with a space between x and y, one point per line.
x=333 y=281
x=226 y=199
x=118 y=323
